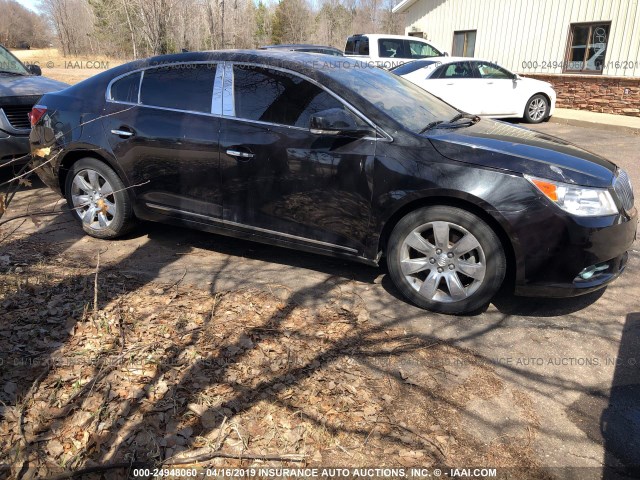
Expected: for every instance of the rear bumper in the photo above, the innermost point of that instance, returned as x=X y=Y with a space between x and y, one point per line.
x=600 y=244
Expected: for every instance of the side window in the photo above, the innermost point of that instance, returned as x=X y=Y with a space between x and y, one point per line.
x=458 y=70
x=350 y=47
x=491 y=70
x=126 y=89
x=420 y=50
x=277 y=97
x=181 y=87
x=390 y=48
x=439 y=73
x=362 y=46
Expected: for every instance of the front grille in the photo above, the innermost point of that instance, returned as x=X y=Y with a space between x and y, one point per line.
x=18 y=115
x=624 y=190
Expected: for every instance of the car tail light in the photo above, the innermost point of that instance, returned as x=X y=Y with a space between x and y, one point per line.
x=36 y=114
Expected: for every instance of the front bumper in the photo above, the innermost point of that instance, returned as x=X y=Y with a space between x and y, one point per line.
x=553 y=269
x=14 y=147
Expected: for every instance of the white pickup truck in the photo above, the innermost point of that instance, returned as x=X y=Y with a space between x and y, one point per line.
x=388 y=51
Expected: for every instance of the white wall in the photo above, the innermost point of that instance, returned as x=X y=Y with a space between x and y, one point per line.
x=518 y=33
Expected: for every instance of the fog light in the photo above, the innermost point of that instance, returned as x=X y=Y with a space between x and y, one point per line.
x=591 y=270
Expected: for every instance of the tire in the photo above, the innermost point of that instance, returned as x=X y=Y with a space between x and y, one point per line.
x=105 y=212
x=537 y=109
x=425 y=259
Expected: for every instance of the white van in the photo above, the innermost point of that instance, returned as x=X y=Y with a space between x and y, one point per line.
x=388 y=51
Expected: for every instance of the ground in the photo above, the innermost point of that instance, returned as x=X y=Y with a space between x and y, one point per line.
x=174 y=342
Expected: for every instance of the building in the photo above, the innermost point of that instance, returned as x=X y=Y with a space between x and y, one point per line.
x=588 y=49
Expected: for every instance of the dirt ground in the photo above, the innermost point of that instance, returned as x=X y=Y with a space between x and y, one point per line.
x=100 y=368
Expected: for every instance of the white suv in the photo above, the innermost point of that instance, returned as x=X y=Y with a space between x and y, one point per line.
x=388 y=51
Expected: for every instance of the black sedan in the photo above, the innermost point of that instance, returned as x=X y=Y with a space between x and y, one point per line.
x=327 y=155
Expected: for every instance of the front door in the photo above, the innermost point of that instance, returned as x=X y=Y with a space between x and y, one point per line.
x=499 y=87
x=280 y=179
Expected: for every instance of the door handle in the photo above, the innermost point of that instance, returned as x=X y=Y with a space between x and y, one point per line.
x=450 y=83
x=122 y=133
x=239 y=154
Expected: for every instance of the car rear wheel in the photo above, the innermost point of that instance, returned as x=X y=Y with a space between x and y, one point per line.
x=98 y=199
x=537 y=109
x=446 y=259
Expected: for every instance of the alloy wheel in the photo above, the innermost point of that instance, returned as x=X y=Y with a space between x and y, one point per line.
x=442 y=261
x=537 y=108
x=93 y=199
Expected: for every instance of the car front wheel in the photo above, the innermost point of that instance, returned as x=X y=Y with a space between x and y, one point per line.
x=446 y=259
x=537 y=109
x=98 y=199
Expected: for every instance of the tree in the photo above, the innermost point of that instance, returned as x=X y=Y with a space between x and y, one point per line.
x=19 y=25
x=291 y=22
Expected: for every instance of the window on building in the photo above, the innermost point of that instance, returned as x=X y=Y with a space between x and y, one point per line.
x=464 y=43
x=587 y=47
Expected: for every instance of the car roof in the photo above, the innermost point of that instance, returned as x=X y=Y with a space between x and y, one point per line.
x=297 y=45
x=382 y=35
x=448 y=59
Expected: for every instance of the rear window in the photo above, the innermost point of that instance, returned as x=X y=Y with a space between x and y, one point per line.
x=181 y=87
x=126 y=89
x=400 y=48
x=409 y=67
x=357 y=46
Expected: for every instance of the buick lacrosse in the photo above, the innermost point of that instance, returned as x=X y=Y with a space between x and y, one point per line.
x=329 y=156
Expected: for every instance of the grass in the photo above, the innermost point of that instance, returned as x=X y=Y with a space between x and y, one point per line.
x=70 y=69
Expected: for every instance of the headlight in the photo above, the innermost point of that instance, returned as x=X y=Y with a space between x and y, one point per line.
x=576 y=200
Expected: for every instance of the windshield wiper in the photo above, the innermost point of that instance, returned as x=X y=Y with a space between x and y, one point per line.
x=467 y=116
x=431 y=125
x=10 y=72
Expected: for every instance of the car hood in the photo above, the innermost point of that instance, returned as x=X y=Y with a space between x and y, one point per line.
x=504 y=146
x=27 y=85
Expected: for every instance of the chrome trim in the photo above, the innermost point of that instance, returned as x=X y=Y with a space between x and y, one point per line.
x=249 y=227
x=216 y=97
x=140 y=87
x=8 y=127
x=122 y=133
x=191 y=112
x=228 y=94
x=236 y=153
x=319 y=85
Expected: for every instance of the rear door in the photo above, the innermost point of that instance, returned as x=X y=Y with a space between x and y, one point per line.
x=283 y=181
x=163 y=129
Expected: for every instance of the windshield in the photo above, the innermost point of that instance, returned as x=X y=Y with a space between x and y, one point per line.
x=404 y=102
x=9 y=63
x=413 y=66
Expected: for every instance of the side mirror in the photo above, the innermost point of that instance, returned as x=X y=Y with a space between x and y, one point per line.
x=445 y=54
x=337 y=121
x=516 y=77
x=34 y=70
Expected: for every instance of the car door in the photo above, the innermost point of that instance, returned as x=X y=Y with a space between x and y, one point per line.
x=457 y=85
x=499 y=90
x=164 y=132
x=281 y=180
